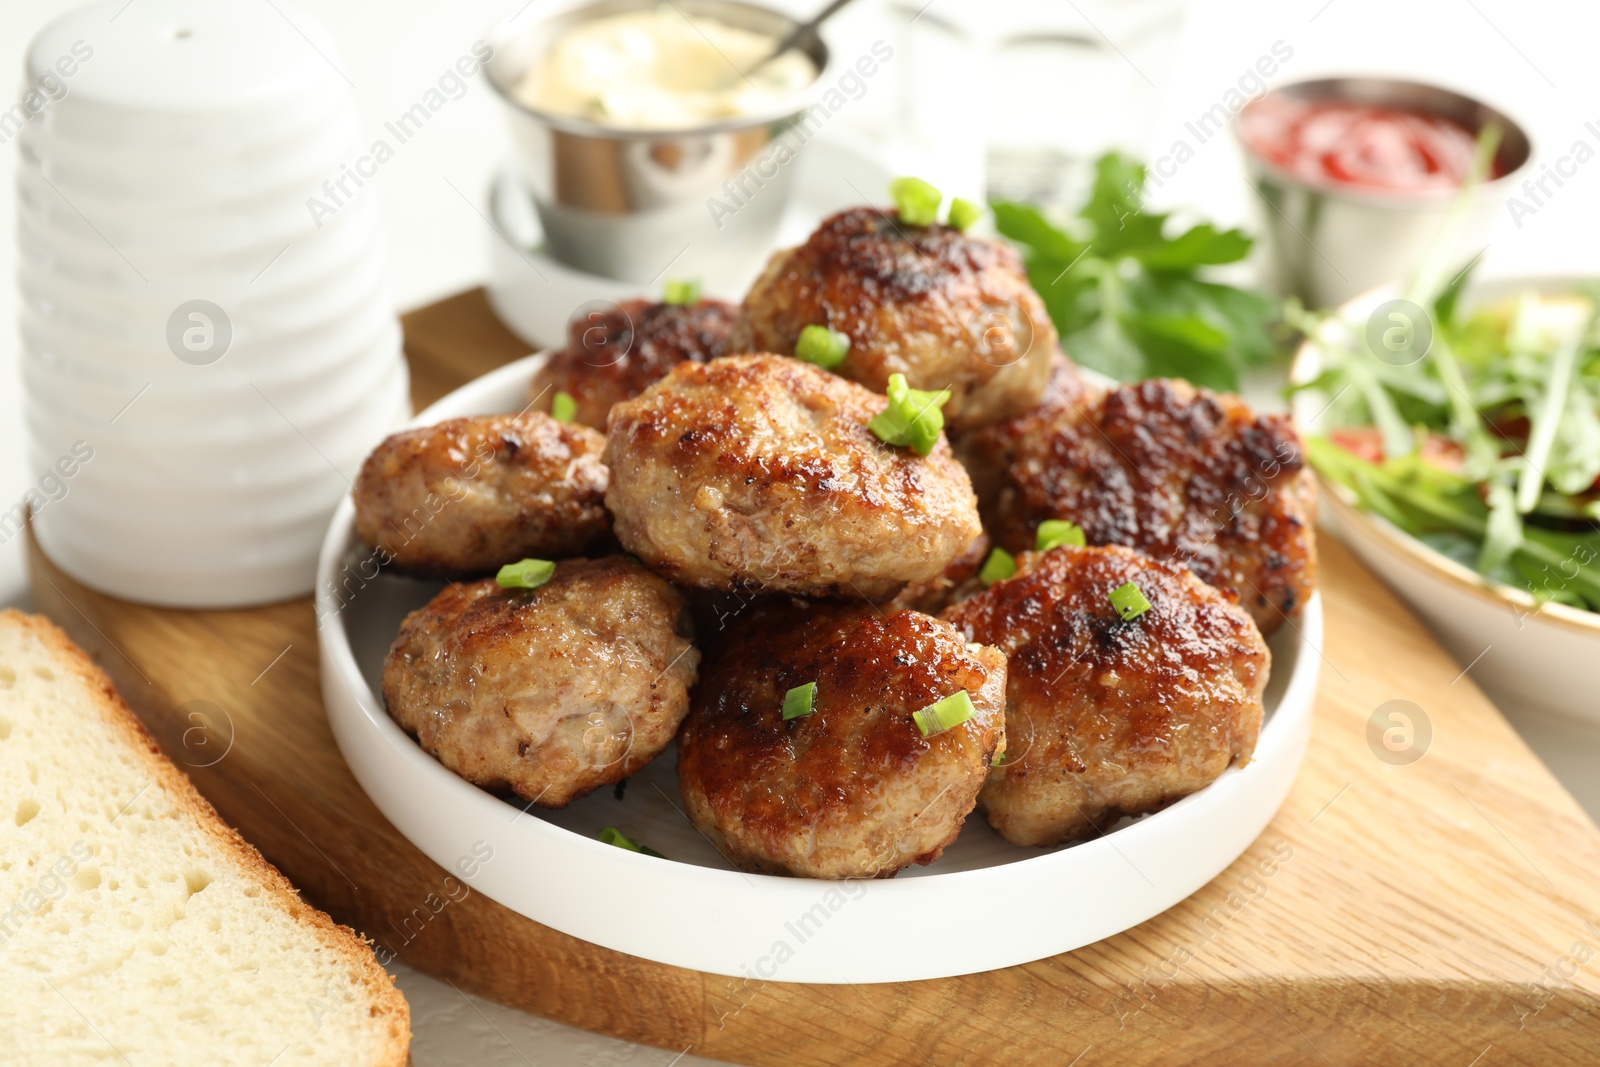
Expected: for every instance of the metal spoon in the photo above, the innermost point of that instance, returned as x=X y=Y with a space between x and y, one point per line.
x=796 y=36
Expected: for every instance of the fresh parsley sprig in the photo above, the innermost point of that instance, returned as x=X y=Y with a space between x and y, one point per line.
x=1131 y=301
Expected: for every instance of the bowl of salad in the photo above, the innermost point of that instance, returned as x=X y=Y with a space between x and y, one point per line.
x=1456 y=431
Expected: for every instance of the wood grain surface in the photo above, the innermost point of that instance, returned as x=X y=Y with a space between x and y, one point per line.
x=1441 y=912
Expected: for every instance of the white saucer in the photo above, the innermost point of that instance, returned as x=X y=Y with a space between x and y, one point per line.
x=535 y=295
x=983 y=905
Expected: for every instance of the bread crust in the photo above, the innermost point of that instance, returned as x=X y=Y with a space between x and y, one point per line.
x=388 y=1002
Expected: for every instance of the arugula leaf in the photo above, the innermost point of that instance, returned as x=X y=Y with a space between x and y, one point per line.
x=1445 y=511
x=1449 y=298
x=1513 y=390
x=1127 y=299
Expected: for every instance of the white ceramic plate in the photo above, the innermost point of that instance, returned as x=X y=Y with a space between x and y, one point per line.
x=693 y=910
x=1523 y=653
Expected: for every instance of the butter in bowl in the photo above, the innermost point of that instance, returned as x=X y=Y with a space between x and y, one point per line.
x=650 y=138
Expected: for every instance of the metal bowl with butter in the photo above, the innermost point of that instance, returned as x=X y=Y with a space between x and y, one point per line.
x=631 y=178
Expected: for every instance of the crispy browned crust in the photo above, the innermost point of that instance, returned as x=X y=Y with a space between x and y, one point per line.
x=944 y=309
x=389 y=1004
x=989 y=451
x=549 y=692
x=758 y=473
x=853 y=790
x=1177 y=472
x=614 y=353
x=1104 y=717
x=461 y=498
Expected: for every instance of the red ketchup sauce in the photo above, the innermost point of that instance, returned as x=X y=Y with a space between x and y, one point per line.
x=1363 y=145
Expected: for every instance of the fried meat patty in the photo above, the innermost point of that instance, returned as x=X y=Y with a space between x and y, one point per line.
x=758 y=473
x=548 y=692
x=947 y=310
x=1105 y=717
x=852 y=790
x=1177 y=472
x=463 y=497
x=958 y=580
x=614 y=353
x=989 y=451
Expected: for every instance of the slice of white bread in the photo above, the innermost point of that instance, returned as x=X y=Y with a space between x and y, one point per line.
x=135 y=926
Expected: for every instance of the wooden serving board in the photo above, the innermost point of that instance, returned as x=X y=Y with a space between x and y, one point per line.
x=1442 y=912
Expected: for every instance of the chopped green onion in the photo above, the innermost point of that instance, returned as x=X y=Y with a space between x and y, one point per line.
x=998 y=567
x=1129 y=601
x=913 y=417
x=526 y=574
x=563 y=408
x=822 y=346
x=916 y=201
x=681 y=291
x=938 y=717
x=963 y=213
x=999 y=758
x=612 y=836
x=1053 y=532
x=800 y=701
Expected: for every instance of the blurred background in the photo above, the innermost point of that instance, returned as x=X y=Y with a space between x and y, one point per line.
x=1014 y=98
x=1025 y=91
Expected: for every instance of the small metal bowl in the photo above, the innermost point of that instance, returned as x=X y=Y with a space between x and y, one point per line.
x=1329 y=242
x=630 y=204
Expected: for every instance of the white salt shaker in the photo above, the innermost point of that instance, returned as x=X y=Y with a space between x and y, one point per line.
x=210 y=358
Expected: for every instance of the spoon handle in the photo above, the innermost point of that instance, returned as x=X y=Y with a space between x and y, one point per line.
x=798 y=34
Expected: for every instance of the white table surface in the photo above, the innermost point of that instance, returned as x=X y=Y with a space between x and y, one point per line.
x=1534 y=61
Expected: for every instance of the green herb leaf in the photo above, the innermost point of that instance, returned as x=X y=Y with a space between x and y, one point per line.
x=1053 y=532
x=800 y=701
x=1199 y=246
x=526 y=574
x=999 y=759
x=1129 y=600
x=916 y=201
x=1130 y=301
x=681 y=291
x=1027 y=225
x=563 y=408
x=913 y=419
x=938 y=717
x=822 y=346
x=1116 y=207
x=998 y=567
